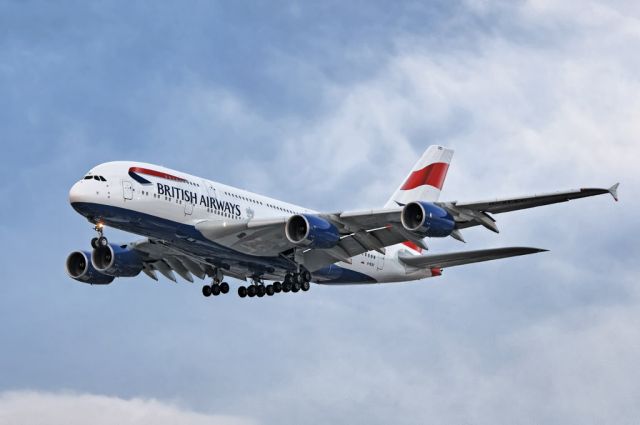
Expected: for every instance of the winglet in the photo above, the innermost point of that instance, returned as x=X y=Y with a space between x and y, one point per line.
x=613 y=190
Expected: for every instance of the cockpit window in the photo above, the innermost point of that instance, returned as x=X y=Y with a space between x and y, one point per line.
x=99 y=178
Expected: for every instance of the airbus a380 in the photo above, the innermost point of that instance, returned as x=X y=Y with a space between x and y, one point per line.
x=198 y=227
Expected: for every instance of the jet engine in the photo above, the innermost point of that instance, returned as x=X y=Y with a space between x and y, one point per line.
x=311 y=231
x=427 y=219
x=79 y=267
x=116 y=260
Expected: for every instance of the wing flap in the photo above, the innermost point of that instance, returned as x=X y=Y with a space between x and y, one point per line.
x=464 y=257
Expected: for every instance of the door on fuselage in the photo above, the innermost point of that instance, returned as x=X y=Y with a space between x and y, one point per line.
x=188 y=208
x=379 y=261
x=211 y=191
x=127 y=190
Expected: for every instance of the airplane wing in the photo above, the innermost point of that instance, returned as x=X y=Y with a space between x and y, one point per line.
x=366 y=230
x=477 y=213
x=360 y=231
x=466 y=257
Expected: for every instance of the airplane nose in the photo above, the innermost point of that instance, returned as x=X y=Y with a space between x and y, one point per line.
x=75 y=193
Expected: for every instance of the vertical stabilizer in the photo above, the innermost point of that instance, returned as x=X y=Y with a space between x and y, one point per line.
x=426 y=178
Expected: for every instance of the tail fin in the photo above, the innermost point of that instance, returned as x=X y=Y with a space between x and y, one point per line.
x=426 y=178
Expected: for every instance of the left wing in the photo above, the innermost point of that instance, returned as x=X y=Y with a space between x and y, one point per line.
x=476 y=213
x=466 y=257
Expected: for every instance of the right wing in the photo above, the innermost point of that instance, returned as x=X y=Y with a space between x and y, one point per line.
x=466 y=257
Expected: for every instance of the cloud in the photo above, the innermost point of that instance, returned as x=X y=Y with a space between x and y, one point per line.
x=33 y=407
x=533 y=96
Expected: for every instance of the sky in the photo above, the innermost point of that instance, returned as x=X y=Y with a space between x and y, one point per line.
x=327 y=105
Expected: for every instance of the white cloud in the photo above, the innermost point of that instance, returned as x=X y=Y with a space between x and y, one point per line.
x=35 y=408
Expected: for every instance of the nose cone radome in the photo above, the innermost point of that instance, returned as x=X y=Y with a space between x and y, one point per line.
x=81 y=193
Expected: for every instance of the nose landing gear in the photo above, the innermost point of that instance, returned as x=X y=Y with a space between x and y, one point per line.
x=101 y=240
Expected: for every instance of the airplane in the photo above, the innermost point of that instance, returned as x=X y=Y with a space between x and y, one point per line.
x=198 y=227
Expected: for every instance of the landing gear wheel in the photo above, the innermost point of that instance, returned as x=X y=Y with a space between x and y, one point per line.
x=277 y=287
x=94 y=243
x=251 y=291
x=242 y=291
x=215 y=289
x=295 y=287
x=305 y=286
x=305 y=276
x=270 y=290
x=286 y=287
x=206 y=290
x=260 y=291
x=102 y=241
x=224 y=287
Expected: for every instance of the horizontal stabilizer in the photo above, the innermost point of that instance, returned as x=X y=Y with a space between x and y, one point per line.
x=465 y=257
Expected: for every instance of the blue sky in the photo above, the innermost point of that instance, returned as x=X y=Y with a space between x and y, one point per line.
x=326 y=106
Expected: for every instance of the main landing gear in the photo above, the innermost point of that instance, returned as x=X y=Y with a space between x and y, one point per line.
x=101 y=240
x=292 y=283
x=217 y=287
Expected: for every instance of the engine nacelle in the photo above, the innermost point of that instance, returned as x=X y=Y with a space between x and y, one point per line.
x=116 y=260
x=427 y=219
x=79 y=267
x=311 y=231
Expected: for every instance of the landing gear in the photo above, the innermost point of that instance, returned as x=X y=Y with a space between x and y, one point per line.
x=101 y=240
x=217 y=287
x=293 y=282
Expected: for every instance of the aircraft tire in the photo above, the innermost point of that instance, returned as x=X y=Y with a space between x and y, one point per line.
x=270 y=290
x=206 y=290
x=305 y=276
x=277 y=287
x=224 y=287
x=305 y=286
x=242 y=291
x=251 y=291
x=215 y=289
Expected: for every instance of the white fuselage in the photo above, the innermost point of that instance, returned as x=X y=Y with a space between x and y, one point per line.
x=172 y=200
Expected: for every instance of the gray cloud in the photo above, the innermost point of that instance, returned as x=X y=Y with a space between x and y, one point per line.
x=534 y=96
